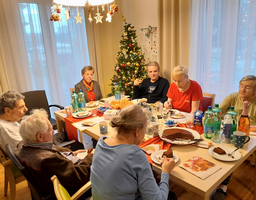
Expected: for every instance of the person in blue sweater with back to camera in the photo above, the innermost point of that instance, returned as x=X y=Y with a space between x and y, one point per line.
x=120 y=169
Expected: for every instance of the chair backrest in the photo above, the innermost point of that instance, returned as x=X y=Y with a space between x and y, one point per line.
x=71 y=90
x=3 y=156
x=208 y=100
x=35 y=100
x=35 y=188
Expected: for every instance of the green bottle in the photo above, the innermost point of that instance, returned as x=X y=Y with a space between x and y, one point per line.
x=209 y=123
x=233 y=114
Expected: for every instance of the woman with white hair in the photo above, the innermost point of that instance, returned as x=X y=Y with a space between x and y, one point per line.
x=120 y=168
x=183 y=94
x=12 y=109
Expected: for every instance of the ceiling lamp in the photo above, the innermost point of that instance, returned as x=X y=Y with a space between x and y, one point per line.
x=111 y=9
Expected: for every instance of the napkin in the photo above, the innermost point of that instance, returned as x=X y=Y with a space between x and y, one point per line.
x=203 y=144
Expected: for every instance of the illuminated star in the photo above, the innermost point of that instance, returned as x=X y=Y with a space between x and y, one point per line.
x=78 y=18
x=98 y=18
x=90 y=18
x=109 y=18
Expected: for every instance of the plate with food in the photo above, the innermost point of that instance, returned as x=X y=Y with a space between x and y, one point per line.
x=92 y=104
x=173 y=111
x=221 y=153
x=135 y=101
x=82 y=114
x=157 y=156
x=177 y=116
x=179 y=135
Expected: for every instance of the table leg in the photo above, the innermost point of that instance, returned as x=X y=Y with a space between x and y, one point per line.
x=254 y=194
x=59 y=124
x=80 y=136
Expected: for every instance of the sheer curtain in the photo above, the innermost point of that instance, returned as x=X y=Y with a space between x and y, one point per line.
x=52 y=54
x=222 y=44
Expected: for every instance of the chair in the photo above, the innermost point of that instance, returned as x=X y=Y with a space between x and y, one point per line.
x=62 y=194
x=12 y=175
x=208 y=100
x=37 y=99
x=71 y=90
x=36 y=192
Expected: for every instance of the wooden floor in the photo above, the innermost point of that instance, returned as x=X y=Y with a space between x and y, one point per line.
x=240 y=187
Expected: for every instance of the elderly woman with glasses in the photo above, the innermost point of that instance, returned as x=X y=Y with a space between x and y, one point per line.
x=183 y=94
x=90 y=88
x=246 y=92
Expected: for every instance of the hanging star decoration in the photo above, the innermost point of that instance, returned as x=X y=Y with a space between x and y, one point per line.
x=78 y=18
x=90 y=18
x=109 y=18
x=67 y=14
x=98 y=18
x=103 y=7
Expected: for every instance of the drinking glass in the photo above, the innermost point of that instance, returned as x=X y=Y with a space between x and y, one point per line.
x=189 y=120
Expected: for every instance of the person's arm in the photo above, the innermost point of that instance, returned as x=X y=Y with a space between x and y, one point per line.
x=168 y=103
x=164 y=92
x=137 y=89
x=225 y=104
x=195 y=106
x=147 y=185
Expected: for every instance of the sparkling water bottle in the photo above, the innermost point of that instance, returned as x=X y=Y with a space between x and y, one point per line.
x=81 y=101
x=227 y=129
x=209 y=123
x=117 y=92
x=74 y=101
x=233 y=114
x=217 y=124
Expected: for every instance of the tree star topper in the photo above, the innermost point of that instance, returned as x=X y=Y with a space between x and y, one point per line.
x=78 y=18
x=98 y=18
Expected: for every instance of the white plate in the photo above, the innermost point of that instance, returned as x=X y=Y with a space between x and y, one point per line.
x=158 y=154
x=96 y=103
x=136 y=101
x=86 y=114
x=82 y=155
x=194 y=133
x=175 y=111
x=236 y=155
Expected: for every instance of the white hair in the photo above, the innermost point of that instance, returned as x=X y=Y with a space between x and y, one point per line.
x=179 y=71
x=33 y=124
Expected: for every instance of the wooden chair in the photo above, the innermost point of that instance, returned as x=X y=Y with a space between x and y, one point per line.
x=62 y=194
x=12 y=175
x=208 y=100
x=71 y=90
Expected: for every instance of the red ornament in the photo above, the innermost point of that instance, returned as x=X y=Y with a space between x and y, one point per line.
x=127 y=38
x=115 y=8
x=126 y=84
x=130 y=45
x=111 y=12
x=123 y=65
x=142 y=60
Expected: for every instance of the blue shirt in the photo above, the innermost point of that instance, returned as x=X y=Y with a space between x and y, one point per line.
x=123 y=172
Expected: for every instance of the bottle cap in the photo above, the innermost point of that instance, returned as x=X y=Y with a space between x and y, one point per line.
x=74 y=91
x=209 y=107
x=216 y=105
x=80 y=90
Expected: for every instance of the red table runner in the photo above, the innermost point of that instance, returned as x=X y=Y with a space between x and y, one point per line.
x=71 y=130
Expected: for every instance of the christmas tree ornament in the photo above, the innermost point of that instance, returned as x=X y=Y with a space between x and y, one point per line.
x=123 y=65
x=103 y=7
x=131 y=52
x=78 y=17
x=143 y=60
x=130 y=45
x=138 y=52
x=124 y=19
x=133 y=79
x=137 y=64
x=129 y=29
x=119 y=77
x=67 y=14
x=124 y=78
x=128 y=64
x=111 y=12
x=117 y=68
x=136 y=71
x=109 y=18
x=127 y=38
x=98 y=18
x=126 y=84
x=124 y=52
x=114 y=8
x=90 y=17
x=125 y=34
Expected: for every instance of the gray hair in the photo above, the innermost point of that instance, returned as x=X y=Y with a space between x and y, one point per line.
x=33 y=124
x=249 y=78
x=130 y=118
x=9 y=100
x=87 y=68
x=179 y=70
x=154 y=63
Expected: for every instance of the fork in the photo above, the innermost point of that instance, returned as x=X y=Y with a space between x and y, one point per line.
x=230 y=154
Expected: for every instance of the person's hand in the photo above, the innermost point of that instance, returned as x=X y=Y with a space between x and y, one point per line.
x=137 y=82
x=168 y=104
x=167 y=165
x=78 y=151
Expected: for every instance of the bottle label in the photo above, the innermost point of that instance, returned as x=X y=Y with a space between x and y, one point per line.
x=117 y=96
x=208 y=130
x=227 y=130
x=217 y=125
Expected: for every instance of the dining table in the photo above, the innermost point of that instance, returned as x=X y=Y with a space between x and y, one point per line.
x=199 y=189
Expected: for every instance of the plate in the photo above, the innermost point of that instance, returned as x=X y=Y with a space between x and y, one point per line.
x=91 y=105
x=136 y=101
x=81 y=155
x=158 y=154
x=236 y=155
x=173 y=111
x=177 y=116
x=80 y=115
x=194 y=133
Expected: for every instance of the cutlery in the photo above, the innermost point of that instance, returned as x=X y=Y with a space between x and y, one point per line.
x=230 y=154
x=180 y=139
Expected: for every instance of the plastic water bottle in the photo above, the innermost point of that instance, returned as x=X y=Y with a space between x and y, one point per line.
x=217 y=123
x=74 y=101
x=81 y=101
x=233 y=114
x=209 y=123
x=227 y=129
x=117 y=92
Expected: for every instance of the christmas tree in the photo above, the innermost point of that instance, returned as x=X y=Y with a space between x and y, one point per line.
x=130 y=62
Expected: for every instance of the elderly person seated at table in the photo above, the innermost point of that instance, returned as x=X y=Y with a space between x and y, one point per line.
x=153 y=88
x=184 y=94
x=44 y=160
x=246 y=92
x=12 y=109
x=120 y=168
x=90 y=88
